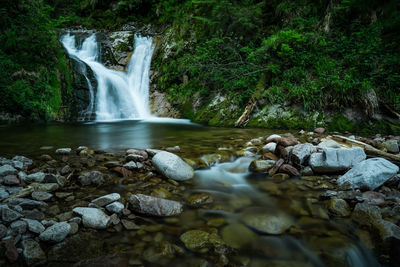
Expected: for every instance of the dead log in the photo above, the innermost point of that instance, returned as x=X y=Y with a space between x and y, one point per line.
x=247 y=111
x=369 y=150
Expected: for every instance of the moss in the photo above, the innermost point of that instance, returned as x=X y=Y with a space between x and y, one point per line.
x=341 y=123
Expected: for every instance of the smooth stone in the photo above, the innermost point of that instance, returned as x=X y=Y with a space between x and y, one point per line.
x=319 y=130
x=155 y=206
x=173 y=149
x=373 y=198
x=329 y=144
x=19 y=227
x=7 y=170
x=93 y=218
x=74 y=228
x=368 y=174
x=131 y=165
x=11 y=180
x=33 y=214
x=172 y=166
x=9 y=215
x=153 y=152
x=237 y=235
x=41 y=196
x=366 y=215
x=339 y=207
x=114 y=219
x=3 y=193
x=115 y=207
x=37 y=177
x=267 y=223
x=107 y=199
x=33 y=253
x=301 y=153
x=198 y=200
x=63 y=217
x=49 y=187
x=34 y=226
x=256 y=142
x=198 y=240
x=3 y=230
x=135 y=157
x=18 y=165
x=307 y=171
x=138 y=152
x=25 y=161
x=56 y=233
x=25 y=203
x=333 y=160
x=261 y=165
x=273 y=136
x=270 y=147
x=63 y=151
x=392 y=146
x=112 y=164
x=93 y=177
x=129 y=225
x=65 y=170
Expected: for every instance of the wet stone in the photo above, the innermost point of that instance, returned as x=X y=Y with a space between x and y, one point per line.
x=11 y=180
x=33 y=214
x=3 y=230
x=93 y=218
x=155 y=206
x=33 y=253
x=9 y=215
x=267 y=223
x=338 y=207
x=63 y=151
x=134 y=157
x=261 y=165
x=74 y=228
x=129 y=225
x=373 y=198
x=64 y=216
x=41 y=196
x=366 y=215
x=172 y=166
x=7 y=170
x=19 y=227
x=198 y=200
x=115 y=207
x=107 y=199
x=131 y=165
x=56 y=233
x=34 y=226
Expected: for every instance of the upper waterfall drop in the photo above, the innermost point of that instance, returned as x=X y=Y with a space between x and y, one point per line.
x=119 y=95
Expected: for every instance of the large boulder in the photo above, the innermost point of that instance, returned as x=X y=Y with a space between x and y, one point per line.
x=333 y=160
x=368 y=174
x=93 y=218
x=172 y=166
x=155 y=206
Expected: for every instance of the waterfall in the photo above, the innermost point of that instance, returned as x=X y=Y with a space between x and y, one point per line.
x=119 y=95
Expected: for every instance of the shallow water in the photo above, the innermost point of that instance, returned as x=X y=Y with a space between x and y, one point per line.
x=314 y=238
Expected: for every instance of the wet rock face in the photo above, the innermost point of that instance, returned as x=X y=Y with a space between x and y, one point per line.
x=155 y=206
x=368 y=174
x=336 y=160
x=172 y=166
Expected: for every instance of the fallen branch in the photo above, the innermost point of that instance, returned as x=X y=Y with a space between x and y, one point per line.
x=246 y=113
x=389 y=108
x=369 y=150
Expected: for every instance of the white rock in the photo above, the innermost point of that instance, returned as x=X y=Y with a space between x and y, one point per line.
x=37 y=177
x=273 y=136
x=368 y=174
x=34 y=226
x=7 y=170
x=329 y=144
x=270 y=147
x=63 y=151
x=155 y=206
x=115 y=207
x=333 y=160
x=131 y=165
x=93 y=218
x=301 y=152
x=172 y=166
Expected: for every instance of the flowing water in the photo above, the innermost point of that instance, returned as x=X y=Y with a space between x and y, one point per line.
x=119 y=95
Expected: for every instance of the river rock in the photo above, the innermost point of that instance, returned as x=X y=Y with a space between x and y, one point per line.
x=11 y=252
x=11 y=180
x=34 y=226
x=301 y=153
x=339 y=207
x=41 y=196
x=336 y=160
x=270 y=147
x=373 y=198
x=107 y=199
x=200 y=241
x=135 y=157
x=37 y=177
x=261 y=165
x=25 y=161
x=392 y=146
x=93 y=177
x=17 y=165
x=63 y=151
x=26 y=203
x=9 y=215
x=388 y=230
x=172 y=166
x=3 y=230
x=368 y=174
x=131 y=165
x=3 y=193
x=19 y=227
x=289 y=169
x=200 y=199
x=33 y=253
x=273 y=136
x=93 y=218
x=115 y=207
x=138 y=152
x=329 y=144
x=366 y=215
x=152 y=152
x=319 y=130
x=56 y=233
x=155 y=206
x=7 y=170
x=267 y=223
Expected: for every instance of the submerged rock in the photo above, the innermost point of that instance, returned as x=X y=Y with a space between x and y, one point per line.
x=336 y=160
x=172 y=166
x=200 y=241
x=338 y=207
x=155 y=206
x=366 y=215
x=93 y=177
x=33 y=253
x=265 y=222
x=368 y=174
x=93 y=218
x=63 y=151
x=115 y=207
x=34 y=226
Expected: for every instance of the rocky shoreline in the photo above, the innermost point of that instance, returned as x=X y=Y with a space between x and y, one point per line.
x=54 y=201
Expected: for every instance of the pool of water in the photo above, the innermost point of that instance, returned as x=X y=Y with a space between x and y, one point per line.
x=313 y=239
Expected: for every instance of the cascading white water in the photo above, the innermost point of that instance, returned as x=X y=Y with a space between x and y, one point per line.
x=120 y=95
